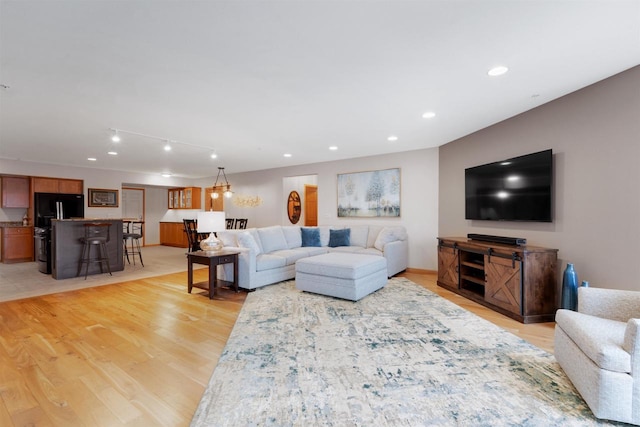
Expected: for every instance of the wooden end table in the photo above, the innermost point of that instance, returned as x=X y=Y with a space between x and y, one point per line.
x=213 y=259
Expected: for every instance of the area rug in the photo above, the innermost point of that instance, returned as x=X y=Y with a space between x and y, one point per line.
x=402 y=356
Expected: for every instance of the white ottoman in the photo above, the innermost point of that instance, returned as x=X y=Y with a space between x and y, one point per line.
x=341 y=275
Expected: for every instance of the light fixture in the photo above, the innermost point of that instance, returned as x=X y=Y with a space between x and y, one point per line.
x=214 y=156
x=166 y=175
x=92 y=159
x=115 y=137
x=497 y=71
x=333 y=148
x=167 y=146
x=287 y=154
x=211 y=222
x=112 y=153
x=429 y=115
x=392 y=138
x=225 y=188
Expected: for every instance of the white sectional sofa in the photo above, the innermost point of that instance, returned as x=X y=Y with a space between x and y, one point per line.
x=269 y=254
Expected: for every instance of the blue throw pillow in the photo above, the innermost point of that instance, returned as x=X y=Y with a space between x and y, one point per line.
x=310 y=236
x=339 y=237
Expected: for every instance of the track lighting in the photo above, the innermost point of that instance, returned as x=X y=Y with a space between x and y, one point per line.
x=115 y=137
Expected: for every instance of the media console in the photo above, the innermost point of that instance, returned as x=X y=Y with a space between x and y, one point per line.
x=519 y=281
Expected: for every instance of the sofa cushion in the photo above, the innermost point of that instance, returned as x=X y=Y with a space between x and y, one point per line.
x=291 y=255
x=339 y=237
x=228 y=237
x=269 y=261
x=601 y=340
x=293 y=236
x=310 y=236
x=388 y=235
x=374 y=230
x=246 y=240
x=256 y=237
x=359 y=235
x=272 y=239
x=324 y=234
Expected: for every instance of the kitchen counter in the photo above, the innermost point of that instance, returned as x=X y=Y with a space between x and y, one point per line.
x=66 y=247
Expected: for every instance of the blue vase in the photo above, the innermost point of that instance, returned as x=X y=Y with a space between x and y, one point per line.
x=569 y=288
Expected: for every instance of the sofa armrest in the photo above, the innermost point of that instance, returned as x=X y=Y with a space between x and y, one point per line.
x=612 y=304
x=397 y=255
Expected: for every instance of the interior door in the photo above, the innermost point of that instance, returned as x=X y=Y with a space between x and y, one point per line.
x=133 y=205
x=310 y=205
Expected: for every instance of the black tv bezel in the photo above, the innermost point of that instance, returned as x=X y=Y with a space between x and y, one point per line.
x=546 y=219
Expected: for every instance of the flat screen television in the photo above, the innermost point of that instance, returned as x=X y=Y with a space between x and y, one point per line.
x=517 y=189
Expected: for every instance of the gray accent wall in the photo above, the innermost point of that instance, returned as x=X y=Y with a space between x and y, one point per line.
x=595 y=137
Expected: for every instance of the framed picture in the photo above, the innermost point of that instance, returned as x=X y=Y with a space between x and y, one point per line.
x=369 y=194
x=101 y=198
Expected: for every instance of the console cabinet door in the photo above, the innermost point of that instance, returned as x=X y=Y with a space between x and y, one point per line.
x=448 y=266
x=503 y=286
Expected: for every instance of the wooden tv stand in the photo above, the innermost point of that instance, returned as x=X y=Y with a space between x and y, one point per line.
x=517 y=281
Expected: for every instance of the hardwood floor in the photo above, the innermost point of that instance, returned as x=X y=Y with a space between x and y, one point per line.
x=139 y=353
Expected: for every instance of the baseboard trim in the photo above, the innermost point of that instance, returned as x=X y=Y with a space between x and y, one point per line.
x=420 y=271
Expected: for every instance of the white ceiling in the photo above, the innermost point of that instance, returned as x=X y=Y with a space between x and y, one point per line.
x=253 y=80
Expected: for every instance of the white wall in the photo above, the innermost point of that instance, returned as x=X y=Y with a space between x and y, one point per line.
x=419 y=197
x=595 y=137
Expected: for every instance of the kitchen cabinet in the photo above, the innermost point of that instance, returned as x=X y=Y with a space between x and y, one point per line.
x=58 y=185
x=15 y=192
x=185 y=198
x=17 y=244
x=172 y=234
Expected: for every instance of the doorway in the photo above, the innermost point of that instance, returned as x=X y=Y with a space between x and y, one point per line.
x=133 y=205
x=311 y=205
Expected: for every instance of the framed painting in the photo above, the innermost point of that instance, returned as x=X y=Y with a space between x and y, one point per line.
x=101 y=198
x=369 y=194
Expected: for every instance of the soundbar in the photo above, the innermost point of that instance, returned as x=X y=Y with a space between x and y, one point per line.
x=516 y=241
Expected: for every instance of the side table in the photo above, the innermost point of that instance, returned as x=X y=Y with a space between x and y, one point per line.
x=213 y=259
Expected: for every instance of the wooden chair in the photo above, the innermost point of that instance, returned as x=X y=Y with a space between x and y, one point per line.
x=241 y=223
x=190 y=227
x=230 y=222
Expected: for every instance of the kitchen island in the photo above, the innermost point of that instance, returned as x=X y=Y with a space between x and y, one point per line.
x=66 y=247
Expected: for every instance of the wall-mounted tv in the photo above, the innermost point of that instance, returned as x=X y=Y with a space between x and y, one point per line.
x=517 y=189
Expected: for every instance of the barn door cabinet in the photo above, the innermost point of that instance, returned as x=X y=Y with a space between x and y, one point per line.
x=517 y=281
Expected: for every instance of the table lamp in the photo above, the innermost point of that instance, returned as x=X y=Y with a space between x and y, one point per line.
x=211 y=222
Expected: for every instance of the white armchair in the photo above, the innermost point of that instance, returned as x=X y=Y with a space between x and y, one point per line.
x=598 y=347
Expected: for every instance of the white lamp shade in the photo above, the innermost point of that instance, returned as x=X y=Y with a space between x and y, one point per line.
x=210 y=222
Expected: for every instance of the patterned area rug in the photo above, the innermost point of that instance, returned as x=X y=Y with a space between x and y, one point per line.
x=402 y=356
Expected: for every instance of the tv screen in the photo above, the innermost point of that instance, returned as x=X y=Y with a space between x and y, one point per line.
x=517 y=189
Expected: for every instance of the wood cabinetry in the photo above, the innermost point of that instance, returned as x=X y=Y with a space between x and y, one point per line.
x=58 y=185
x=185 y=198
x=17 y=244
x=172 y=234
x=517 y=281
x=15 y=192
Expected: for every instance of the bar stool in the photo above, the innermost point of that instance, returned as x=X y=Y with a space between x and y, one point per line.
x=95 y=234
x=133 y=234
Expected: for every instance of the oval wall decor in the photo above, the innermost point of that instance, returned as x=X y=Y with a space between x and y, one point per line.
x=294 y=207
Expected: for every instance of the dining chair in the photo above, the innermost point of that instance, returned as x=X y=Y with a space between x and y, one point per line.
x=230 y=222
x=241 y=223
x=190 y=227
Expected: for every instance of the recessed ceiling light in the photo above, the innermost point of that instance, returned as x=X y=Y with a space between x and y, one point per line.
x=333 y=148
x=429 y=115
x=392 y=138
x=498 y=71
x=166 y=175
x=91 y=159
x=112 y=153
x=287 y=155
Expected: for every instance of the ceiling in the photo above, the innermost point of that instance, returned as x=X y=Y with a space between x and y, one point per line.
x=253 y=80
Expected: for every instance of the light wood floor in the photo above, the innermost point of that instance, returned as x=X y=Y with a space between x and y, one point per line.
x=138 y=353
